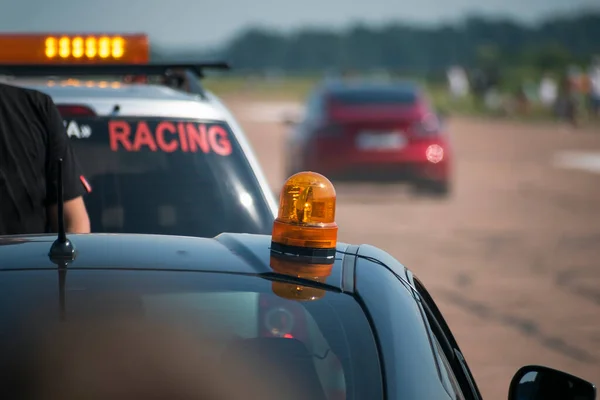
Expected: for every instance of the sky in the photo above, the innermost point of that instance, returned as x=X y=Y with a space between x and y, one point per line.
x=184 y=23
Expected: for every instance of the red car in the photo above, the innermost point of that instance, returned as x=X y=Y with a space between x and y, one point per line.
x=373 y=132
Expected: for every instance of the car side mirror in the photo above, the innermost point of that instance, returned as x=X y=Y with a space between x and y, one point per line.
x=534 y=382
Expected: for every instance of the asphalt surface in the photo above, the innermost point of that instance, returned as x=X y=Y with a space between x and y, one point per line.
x=512 y=258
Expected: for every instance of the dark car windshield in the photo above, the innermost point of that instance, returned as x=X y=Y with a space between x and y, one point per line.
x=374 y=96
x=327 y=344
x=167 y=176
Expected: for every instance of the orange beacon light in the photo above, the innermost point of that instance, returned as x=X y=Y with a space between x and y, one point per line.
x=305 y=225
x=304 y=235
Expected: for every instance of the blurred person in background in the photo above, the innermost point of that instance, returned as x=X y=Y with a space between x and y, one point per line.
x=548 y=90
x=579 y=85
x=479 y=84
x=485 y=83
x=458 y=83
x=131 y=359
x=574 y=77
x=523 y=104
x=594 y=87
x=566 y=103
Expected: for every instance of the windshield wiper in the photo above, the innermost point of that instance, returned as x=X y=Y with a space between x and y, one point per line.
x=273 y=276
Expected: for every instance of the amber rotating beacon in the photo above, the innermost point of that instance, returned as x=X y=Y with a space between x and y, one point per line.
x=304 y=234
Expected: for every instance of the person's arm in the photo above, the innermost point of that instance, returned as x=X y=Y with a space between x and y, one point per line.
x=74 y=183
x=76 y=217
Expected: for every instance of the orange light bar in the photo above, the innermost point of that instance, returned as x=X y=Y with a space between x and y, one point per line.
x=306 y=216
x=74 y=49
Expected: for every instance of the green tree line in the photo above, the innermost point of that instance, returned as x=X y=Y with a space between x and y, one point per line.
x=403 y=48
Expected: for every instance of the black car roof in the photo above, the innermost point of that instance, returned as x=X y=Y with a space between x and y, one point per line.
x=228 y=252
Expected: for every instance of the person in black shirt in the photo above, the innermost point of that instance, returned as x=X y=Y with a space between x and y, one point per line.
x=32 y=140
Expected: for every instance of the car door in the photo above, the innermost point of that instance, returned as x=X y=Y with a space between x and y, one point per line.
x=454 y=368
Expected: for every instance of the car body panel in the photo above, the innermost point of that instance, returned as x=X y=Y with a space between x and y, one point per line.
x=163 y=278
x=417 y=353
x=228 y=253
x=401 y=331
x=393 y=311
x=396 y=315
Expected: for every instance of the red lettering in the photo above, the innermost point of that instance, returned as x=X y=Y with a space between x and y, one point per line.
x=143 y=136
x=197 y=138
x=160 y=137
x=189 y=137
x=118 y=132
x=219 y=140
x=182 y=138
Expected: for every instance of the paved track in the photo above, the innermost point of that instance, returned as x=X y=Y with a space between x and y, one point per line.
x=513 y=258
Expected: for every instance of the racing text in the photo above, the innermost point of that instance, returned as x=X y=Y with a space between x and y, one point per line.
x=169 y=137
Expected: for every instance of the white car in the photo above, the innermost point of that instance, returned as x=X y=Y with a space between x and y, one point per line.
x=159 y=159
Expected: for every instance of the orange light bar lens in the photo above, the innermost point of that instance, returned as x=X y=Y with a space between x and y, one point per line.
x=117 y=49
x=91 y=47
x=83 y=48
x=306 y=213
x=104 y=47
x=51 y=46
x=78 y=49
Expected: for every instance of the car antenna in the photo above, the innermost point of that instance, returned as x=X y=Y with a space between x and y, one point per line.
x=62 y=251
